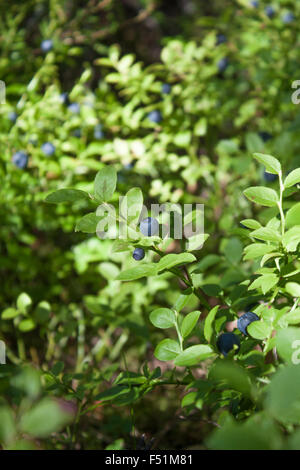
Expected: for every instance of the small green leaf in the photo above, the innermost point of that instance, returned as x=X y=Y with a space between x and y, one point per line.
x=293 y=216
x=293 y=289
x=24 y=302
x=163 y=318
x=266 y=234
x=208 y=329
x=105 y=183
x=251 y=223
x=292 y=178
x=44 y=418
x=189 y=322
x=291 y=238
x=9 y=313
x=131 y=205
x=169 y=261
x=262 y=195
x=271 y=163
x=26 y=325
x=66 y=195
x=136 y=273
x=88 y=223
x=57 y=368
x=259 y=330
x=167 y=350
x=193 y=355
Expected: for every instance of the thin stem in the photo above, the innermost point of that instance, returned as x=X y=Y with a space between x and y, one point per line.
x=180 y=338
x=281 y=188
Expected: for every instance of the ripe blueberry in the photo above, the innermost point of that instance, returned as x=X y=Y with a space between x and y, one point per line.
x=245 y=320
x=226 y=342
x=254 y=3
x=98 y=133
x=221 y=38
x=20 y=159
x=288 y=18
x=77 y=133
x=269 y=177
x=155 y=116
x=74 y=108
x=265 y=136
x=223 y=64
x=138 y=254
x=149 y=227
x=12 y=116
x=166 y=88
x=46 y=45
x=64 y=98
x=269 y=11
x=48 y=149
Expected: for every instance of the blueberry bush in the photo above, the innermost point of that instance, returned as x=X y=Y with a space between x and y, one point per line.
x=149 y=340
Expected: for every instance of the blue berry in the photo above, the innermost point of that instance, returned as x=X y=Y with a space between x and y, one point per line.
x=223 y=64
x=98 y=133
x=77 y=133
x=74 y=108
x=269 y=11
x=48 y=149
x=288 y=18
x=221 y=38
x=166 y=88
x=245 y=320
x=269 y=177
x=20 y=159
x=254 y=3
x=155 y=116
x=64 y=98
x=129 y=166
x=265 y=136
x=46 y=45
x=226 y=342
x=138 y=254
x=149 y=227
x=12 y=116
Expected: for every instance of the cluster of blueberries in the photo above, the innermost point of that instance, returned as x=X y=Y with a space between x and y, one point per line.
x=227 y=341
x=270 y=12
x=148 y=227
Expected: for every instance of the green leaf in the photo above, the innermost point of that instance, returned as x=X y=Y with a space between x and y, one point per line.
x=167 y=350
x=183 y=299
x=292 y=318
x=88 y=223
x=292 y=178
x=131 y=205
x=57 y=368
x=105 y=183
x=9 y=313
x=266 y=234
x=233 y=250
x=271 y=163
x=283 y=397
x=24 y=302
x=293 y=289
x=208 y=328
x=265 y=282
x=256 y=250
x=26 y=325
x=262 y=195
x=287 y=342
x=136 y=273
x=251 y=223
x=233 y=375
x=189 y=323
x=193 y=355
x=7 y=425
x=45 y=418
x=169 y=261
x=163 y=318
x=66 y=195
x=291 y=238
x=259 y=330
x=293 y=216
